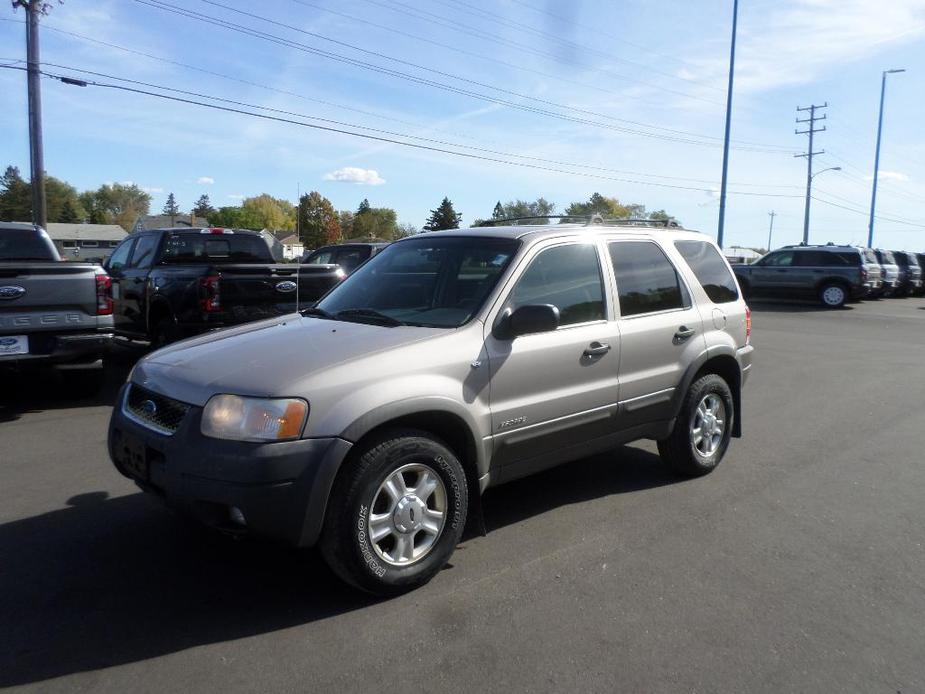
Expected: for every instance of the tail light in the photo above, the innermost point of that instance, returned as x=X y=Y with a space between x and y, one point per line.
x=103 y=295
x=864 y=274
x=210 y=294
x=748 y=324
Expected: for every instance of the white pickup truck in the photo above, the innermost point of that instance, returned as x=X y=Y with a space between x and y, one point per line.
x=52 y=313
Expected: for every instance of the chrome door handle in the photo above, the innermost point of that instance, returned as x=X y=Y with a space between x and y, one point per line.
x=684 y=332
x=596 y=349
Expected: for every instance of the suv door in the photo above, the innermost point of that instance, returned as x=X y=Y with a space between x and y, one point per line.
x=552 y=392
x=770 y=274
x=661 y=329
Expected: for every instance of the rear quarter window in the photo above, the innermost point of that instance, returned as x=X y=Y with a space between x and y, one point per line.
x=710 y=270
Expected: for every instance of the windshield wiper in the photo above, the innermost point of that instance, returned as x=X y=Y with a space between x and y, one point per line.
x=368 y=314
x=317 y=312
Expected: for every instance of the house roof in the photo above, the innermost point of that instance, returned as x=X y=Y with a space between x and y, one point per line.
x=291 y=240
x=164 y=221
x=61 y=231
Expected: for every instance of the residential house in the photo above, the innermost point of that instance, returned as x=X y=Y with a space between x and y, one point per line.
x=166 y=221
x=85 y=242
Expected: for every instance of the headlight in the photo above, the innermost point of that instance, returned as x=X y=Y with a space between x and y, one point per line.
x=254 y=419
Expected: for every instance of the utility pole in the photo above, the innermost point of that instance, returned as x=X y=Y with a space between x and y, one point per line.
x=772 y=214
x=873 y=195
x=722 y=189
x=809 y=158
x=36 y=155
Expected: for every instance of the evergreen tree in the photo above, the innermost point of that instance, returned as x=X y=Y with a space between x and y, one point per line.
x=364 y=206
x=171 y=208
x=444 y=217
x=15 y=197
x=203 y=207
x=498 y=212
x=68 y=213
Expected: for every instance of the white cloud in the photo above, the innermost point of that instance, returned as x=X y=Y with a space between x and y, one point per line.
x=236 y=196
x=353 y=174
x=889 y=176
x=205 y=180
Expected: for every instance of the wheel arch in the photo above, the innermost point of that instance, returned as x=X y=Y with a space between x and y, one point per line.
x=722 y=364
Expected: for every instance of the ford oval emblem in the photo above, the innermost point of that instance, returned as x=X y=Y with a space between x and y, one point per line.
x=149 y=407
x=286 y=287
x=7 y=341
x=11 y=292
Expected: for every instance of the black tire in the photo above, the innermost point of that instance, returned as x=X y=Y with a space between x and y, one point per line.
x=833 y=295
x=165 y=331
x=678 y=450
x=345 y=541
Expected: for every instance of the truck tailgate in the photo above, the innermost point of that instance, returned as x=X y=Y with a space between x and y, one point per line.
x=249 y=292
x=54 y=295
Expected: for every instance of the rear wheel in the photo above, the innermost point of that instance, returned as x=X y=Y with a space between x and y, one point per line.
x=833 y=295
x=396 y=513
x=702 y=430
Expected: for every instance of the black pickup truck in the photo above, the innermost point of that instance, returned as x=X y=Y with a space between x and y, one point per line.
x=168 y=284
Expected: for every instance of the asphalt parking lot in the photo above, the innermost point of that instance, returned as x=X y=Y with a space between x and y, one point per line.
x=799 y=565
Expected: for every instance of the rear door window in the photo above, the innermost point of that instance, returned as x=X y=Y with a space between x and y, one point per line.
x=710 y=269
x=646 y=280
x=778 y=259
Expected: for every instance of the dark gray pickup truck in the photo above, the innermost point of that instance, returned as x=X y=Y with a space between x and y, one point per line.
x=52 y=313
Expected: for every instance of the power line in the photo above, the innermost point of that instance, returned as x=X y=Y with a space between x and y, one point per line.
x=378 y=138
x=867 y=213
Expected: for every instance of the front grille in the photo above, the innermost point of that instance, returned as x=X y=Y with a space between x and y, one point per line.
x=154 y=410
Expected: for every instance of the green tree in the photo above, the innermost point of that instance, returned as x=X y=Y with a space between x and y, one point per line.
x=171 y=208
x=69 y=213
x=599 y=204
x=231 y=217
x=61 y=199
x=203 y=207
x=364 y=207
x=661 y=216
x=444 y=217
x=377 y=223
x=266 y=212
x=404 y=230
x=498 y=212
x=116 y=204
x=346 y=219
x=523 y=208
x=15 y=197
x=318 y=221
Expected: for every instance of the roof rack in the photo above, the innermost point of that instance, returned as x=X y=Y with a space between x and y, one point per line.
x=589 y=220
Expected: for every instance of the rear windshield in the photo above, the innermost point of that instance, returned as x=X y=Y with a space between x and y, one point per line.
x=886 y=257
x=196 y=247
x=25 y=244
x=869 y=255
x=710 y=269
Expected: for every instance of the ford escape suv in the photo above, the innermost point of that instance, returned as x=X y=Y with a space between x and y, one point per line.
x=371 y=423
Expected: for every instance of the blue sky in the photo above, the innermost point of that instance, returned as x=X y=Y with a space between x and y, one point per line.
x=632 y=97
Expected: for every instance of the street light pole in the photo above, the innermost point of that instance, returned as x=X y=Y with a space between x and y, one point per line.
x=722 y=190
x=873 y=195
x=809 y=194
x=36 y=150
x=772 y=214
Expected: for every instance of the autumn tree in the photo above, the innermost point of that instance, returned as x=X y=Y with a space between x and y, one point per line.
x=598 y=204
x=318 y=221
x=444 y=217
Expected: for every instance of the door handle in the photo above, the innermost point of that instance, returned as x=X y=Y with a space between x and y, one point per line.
x=684 y=332
x=596 y=349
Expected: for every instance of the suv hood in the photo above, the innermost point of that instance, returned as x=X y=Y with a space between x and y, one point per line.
x=267 y=358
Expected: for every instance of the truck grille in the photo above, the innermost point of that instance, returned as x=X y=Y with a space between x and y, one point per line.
x=154 y=410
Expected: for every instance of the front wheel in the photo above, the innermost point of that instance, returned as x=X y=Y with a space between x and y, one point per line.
x=702 y=430
x=396 y=513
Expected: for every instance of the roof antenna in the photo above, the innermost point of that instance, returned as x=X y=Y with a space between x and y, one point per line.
x=298 y=231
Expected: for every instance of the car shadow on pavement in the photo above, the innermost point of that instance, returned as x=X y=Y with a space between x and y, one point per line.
x=108 y=581
x=620 y=471
x=39 y=390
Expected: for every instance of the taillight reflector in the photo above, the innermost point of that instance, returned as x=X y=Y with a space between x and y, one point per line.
x=748 y=324
x=210 y=294
x=103 y=295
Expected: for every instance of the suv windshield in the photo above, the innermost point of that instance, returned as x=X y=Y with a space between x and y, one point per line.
x=197 y=247
x=434 y=282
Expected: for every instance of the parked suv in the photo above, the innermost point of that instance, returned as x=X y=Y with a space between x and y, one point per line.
x=349 y=256
x=833 y=274
x=891 y=276
x=449 y=363
x=910 y=274
x=921 y=258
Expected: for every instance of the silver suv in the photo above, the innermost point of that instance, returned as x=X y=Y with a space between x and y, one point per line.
x=451 y=362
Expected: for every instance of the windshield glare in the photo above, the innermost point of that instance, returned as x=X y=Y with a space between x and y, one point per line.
x=433 y=282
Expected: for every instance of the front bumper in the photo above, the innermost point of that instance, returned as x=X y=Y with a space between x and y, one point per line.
x=281 y=489
x=62 y=348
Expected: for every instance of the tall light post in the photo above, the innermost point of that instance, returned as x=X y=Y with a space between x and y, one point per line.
x=873 y=195
x=809 y=195
x=722 y=190
x=772 y=214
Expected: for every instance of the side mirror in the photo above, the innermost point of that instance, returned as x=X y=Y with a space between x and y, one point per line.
x=526 y=320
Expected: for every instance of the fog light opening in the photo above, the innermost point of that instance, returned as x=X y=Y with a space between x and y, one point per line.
x=236 y=516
